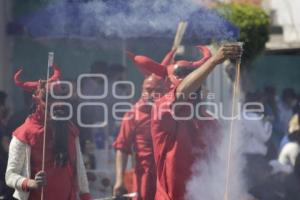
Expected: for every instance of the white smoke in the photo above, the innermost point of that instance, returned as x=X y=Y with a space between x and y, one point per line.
x=209 y=176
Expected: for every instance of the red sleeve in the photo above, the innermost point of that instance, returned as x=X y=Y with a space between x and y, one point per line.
x=25 y=185
x=125 y=137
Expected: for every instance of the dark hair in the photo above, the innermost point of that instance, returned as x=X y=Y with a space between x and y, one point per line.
x=61 y=134
x=294 y=137
x=60 y=146
x=288 y=93
x=60 y=129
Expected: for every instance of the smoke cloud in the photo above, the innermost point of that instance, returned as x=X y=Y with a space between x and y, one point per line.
x=209 y=175
x=128 y=19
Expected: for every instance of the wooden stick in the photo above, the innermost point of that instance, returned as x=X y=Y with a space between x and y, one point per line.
x=179 y=33
x=50 y=63
x=233 y=124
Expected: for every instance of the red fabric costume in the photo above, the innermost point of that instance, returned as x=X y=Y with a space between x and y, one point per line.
x=136 y=133
x=177 y=143
x=61 y=180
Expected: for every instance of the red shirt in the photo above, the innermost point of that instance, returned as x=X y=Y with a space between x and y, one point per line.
x=177 y=144
x=135 y=133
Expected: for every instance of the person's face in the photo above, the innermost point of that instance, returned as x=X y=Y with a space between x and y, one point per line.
x=151 y=93
x=152 y=89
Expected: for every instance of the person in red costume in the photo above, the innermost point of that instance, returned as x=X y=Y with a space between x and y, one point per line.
x=135 y=134
x=64 y=176
x=178 y=139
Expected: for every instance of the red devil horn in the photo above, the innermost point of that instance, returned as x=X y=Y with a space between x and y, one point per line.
x=142 y=70
x=169 y=57
x=28 y=86
x=56 y=74
x=147 y=66
x=206 y=54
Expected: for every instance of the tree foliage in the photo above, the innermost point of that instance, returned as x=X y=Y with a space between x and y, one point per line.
x=253 y=23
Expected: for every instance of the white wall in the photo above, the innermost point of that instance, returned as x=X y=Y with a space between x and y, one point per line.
x=288 y=16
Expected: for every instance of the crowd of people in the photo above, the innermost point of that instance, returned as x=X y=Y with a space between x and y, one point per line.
x=163 y=145
x=272 y=147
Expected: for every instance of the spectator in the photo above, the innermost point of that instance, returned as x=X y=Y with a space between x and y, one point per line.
x=271 y=113
x=291 y=150
x=281 y=181
x=285 y=107
x=88 y=155
x=256 y=133
x=269 y=100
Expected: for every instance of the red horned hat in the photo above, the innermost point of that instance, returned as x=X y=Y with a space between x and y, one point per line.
x=174 y=71
x=31 y=86
x=147 y=66
x=180 y=69
x=168 y=59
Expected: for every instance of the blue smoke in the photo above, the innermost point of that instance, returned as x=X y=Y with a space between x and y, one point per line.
x=128 y=19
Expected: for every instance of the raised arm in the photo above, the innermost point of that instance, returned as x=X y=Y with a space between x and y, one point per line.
x=193 y=81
